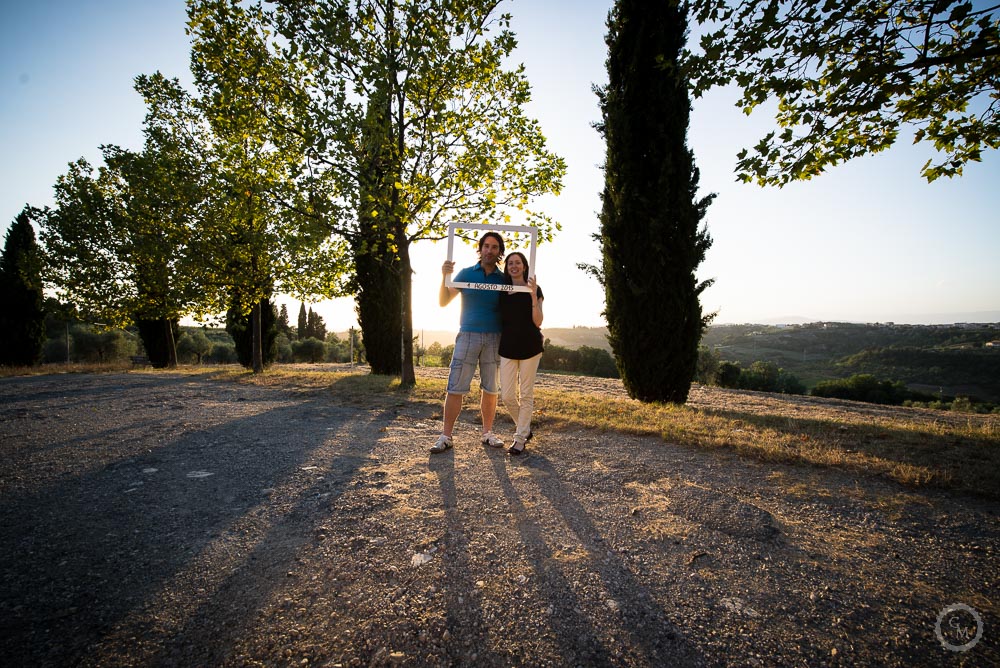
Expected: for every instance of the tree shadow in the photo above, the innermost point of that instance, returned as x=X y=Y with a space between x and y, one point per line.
x=652 y=634
x=120 y=563
x=968 y=464
x=464 y=617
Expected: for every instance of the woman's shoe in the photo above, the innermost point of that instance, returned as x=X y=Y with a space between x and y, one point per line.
x=517 y=448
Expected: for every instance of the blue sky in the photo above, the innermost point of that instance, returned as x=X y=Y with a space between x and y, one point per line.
x=868 y=241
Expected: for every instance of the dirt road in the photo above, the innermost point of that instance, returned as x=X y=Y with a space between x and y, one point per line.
x=167 y=519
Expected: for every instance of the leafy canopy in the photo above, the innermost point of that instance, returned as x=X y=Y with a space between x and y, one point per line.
x=462 y=146
x=848 y=74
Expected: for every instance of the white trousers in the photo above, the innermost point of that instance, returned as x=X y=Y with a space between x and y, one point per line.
x=517 y=387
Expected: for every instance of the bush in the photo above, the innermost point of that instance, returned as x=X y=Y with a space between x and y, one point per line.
x=100 y=346
x=865 y=387
x=446 y=354
x=193 y=347
x=769 y=377
x=54 y=350
x=309 y=350
x=284 y=348
x=596 y=362
x=729 y=374
x=707 y=371
x=222 y=353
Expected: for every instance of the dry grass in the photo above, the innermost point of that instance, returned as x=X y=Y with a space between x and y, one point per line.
x=962 y=454
x=72 y=367
x=915 y=447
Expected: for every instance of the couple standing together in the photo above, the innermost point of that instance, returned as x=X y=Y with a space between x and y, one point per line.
x=500 y=333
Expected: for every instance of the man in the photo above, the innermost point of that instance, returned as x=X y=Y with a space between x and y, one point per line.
x=478 y=340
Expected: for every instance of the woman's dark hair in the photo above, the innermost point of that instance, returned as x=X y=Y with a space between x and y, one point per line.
x=524 y=260
x=496 y=236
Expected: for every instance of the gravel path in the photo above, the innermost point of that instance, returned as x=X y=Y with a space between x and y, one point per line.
x=167 y=519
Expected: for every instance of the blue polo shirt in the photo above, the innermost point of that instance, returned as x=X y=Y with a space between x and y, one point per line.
x=480 y=308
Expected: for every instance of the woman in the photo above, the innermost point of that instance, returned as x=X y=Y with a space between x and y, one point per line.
x=520 y=347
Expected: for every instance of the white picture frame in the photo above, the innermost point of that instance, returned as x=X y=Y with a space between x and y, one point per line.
x=496 y=287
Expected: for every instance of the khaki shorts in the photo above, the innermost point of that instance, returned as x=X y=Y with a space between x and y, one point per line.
x=472 y=349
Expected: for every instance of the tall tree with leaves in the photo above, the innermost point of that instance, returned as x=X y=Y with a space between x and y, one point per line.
x=849 y=75
x=118 y=240
x=264 y=233
x=416 y=122
x=651 y=233
x=22 y=315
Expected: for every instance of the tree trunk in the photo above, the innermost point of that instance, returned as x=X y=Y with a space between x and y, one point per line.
x=407 y=376
x=258 y=355
x=171 y=344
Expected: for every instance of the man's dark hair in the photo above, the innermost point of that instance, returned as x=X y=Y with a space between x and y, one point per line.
x=495 y=236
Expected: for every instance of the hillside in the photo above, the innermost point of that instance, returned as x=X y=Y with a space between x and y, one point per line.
x=951 y=359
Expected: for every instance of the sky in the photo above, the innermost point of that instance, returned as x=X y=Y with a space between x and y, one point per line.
x=868 y=241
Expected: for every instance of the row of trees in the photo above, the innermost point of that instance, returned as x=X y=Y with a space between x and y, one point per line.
x=321 y=140
x=325 y=137
x=761 y=376
x=585 y=360
x=310 y=324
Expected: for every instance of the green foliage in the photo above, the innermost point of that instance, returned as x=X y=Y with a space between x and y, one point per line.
x=337 y=350
x=415 y=120
x=303 y=323
x=585 y=360
x=193 y=347
x=446 y=354
x=222 y=353
x=284 y=345
x=309 y=350
x=707 y=371
x=315 y=327
x=762 y=376
x=729 y=374
x=849 y=75
x=284 y=325
x=950 y=358
x=239 y=325
x=267 y=227
x=864 y=387
x=769 y=377
x=22 y=315
x=650 y=217
x=940 y=367
x=101 y=345
x=119 y=241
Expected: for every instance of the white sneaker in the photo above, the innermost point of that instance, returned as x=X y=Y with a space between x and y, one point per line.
x=490 y=439
x=443 y=443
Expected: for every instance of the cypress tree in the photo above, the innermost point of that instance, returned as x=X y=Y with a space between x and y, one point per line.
x=239 y=324
x=22 y=315
x=283 y=325
x=303 y=323
x=651 y=233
